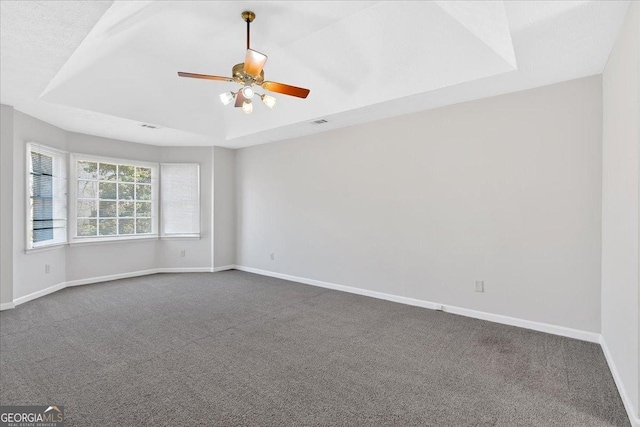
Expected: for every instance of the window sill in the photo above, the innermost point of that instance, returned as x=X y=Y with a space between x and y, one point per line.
x=99 y=241
x=45 y=248
x=182 y=237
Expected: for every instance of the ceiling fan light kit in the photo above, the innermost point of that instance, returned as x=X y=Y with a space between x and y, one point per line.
x=249 y=74
x=268 y=100
x=247 y=106
x=247 y=92
x=227 y=97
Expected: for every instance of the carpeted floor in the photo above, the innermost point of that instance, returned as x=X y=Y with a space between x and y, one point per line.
x=234 y=348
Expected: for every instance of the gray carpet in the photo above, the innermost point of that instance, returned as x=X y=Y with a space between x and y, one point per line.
x=234 y=348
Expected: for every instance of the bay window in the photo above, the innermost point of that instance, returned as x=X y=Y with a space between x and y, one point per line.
x=108 y=199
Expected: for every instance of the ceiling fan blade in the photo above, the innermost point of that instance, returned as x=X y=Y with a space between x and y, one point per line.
x=239 y=99
x=254 y=62
x=204 y=76
x=286 y=89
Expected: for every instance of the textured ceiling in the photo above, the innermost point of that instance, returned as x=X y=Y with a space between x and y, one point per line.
x=104 y=69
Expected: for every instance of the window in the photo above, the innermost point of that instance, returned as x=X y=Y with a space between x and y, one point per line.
x=113 y=199
x=47 y=198
x=180 y=196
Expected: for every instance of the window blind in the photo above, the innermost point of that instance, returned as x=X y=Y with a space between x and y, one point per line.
x=47 y=187
x=180 y=199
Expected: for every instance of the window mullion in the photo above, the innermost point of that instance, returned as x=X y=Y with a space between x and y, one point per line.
x=116 y=197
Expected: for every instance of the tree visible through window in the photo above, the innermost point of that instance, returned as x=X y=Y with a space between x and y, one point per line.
x=113 y=199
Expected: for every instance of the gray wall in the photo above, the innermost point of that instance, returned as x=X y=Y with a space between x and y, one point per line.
x=28 y=269
x=107 y=258
x=6 y=201
x=620 y=212
x=505 y=190
x=197 y=252
x=225 y=207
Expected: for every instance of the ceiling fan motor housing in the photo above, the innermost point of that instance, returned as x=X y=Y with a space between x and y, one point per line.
x=242 y=77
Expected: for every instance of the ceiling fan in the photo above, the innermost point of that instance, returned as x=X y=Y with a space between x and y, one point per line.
x=249 y=74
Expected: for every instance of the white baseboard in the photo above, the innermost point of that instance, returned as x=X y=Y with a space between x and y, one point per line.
x=7 y=306
x=40 y=293
x=109 y=277
x=528 y=324
x=497 y=318
x=563 y=331
x=184 y=270
x=626 y=400
x=319 y=283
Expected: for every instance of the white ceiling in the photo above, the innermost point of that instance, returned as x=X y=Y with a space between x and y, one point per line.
x=104 y=68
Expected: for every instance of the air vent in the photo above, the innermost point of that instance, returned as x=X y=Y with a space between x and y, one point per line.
x=319 y=122
x=144 y=125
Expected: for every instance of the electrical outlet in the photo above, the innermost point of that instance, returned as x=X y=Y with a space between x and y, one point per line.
x=183 y=253
x=479 y=286
x=47 y=268
x=273 y=256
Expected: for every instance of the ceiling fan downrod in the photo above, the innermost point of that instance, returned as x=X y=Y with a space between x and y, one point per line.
x=248 y=17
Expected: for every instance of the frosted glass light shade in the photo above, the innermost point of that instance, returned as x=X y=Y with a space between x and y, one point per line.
x=247 y=106
x=226 y=98
x=269 y=101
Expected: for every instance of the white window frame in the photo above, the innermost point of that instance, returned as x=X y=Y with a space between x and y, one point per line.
x=165 y=235
x=63 y=157
x=73 y=198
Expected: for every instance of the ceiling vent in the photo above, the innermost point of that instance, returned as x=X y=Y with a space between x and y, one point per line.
x=319 y=122
x=144 y=125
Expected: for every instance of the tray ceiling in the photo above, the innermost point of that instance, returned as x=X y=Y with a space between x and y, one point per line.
x=103 y=69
